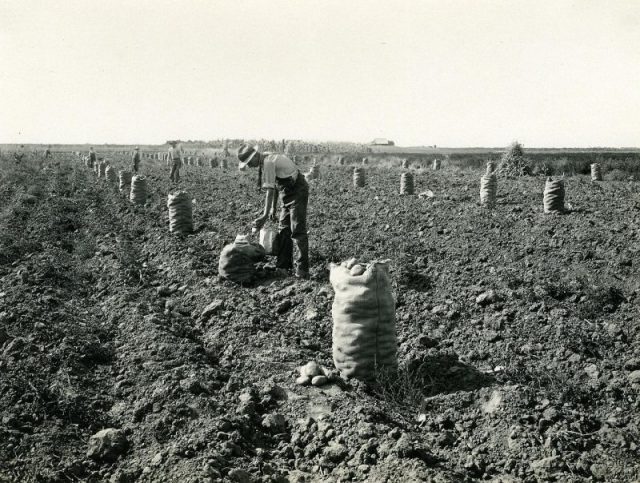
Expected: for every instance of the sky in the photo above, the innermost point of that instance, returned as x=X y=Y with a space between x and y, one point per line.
x=455 y=73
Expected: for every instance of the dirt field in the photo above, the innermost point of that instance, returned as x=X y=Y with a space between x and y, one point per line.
x=519 y=332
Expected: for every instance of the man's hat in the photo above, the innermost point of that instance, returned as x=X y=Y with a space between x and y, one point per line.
x=137 y=148
x=245 y=155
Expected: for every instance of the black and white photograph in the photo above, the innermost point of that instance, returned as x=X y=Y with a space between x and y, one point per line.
x=308 y=241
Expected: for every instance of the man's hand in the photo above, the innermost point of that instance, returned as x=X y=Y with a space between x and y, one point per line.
x=259 y=222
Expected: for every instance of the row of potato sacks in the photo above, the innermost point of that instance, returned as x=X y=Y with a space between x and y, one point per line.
x=179 y=204
x=553 y=197
x=202 y=162
x=180 y=211
x=124 y=179
x=553 y=193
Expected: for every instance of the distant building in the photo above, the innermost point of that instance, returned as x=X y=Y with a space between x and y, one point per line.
x=382 y=142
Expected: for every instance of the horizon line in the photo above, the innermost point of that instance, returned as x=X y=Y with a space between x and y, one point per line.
x=390 y=147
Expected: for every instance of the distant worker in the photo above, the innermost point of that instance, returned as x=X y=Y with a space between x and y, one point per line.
x=175 y=156
x=20 y=154
x=47 y=152
x=277 y=171
x=92 y=157
x=135 y=159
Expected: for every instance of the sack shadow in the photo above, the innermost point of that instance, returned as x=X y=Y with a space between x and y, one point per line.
x=414 y=274
x=418 y=280
x=423 y=376
x=444 y=374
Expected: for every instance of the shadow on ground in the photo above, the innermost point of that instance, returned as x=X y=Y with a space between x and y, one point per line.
x=444 y=374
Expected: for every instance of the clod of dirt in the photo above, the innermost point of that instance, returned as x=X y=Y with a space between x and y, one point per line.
x=275 y=391
x=15 y=345
x=543 y=466
x=403 y=447
x=192 y=385
x=157 y=459
x=311 y=314
x=240 y=476
x=426 y=194
x=634 y=377
x=212 y=308
x=276 y=423
x=283 y=306
x=335 y=452
x=491 y=336
x=439 y=310
x=492 y=405
x=486 y=298
x=107 y=445
x=632 y=364
x=592 y=371
x=3 y=336
x=365 y=430
x=247 y=404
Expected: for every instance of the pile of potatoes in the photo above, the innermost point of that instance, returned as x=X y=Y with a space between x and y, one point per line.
x=314 y=374
x=354 y=267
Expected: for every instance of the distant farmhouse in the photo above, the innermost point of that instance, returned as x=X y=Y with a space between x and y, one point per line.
x=382 y=142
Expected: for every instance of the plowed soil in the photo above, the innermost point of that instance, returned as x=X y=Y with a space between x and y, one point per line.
x=519 y=332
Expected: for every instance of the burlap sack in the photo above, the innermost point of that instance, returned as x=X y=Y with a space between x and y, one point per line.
x=138 y=193
x=180 y=213
x=364 y=321
x=124 y=180
x=554 y=196
x=488 y=190
x=238 y=259
x=406 y=184
x=110 y=174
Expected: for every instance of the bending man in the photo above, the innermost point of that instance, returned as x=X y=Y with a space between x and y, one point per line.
x=277 y=171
